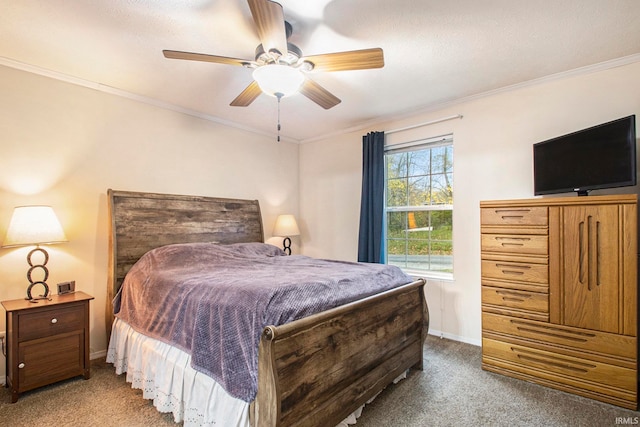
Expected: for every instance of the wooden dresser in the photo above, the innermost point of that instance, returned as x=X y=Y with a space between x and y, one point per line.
x=47 y=341
x=559 y=294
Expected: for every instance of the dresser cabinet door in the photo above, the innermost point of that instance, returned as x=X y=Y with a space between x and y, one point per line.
x=591 y=267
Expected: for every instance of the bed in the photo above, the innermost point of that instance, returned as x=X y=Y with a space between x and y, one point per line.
x=314 y=371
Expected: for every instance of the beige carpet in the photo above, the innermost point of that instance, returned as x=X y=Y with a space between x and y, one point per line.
x=451 y=391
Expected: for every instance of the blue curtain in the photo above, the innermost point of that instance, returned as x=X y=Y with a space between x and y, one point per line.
x=372 y=202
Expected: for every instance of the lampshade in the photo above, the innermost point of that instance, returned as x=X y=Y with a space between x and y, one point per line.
x=278 y=79
x=286 y=226
x=33 y=225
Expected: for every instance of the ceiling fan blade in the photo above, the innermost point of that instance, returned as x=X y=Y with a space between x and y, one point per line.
x=269 y=19
x=176 y=54
x=344 y=61
x=247 y=96
x=318 y=94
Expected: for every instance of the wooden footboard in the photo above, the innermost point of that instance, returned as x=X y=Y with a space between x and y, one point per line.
x=317 y=370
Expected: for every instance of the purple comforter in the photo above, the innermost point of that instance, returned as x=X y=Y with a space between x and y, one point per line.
x=213 y=301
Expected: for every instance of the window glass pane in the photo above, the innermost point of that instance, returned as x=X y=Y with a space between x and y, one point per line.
x=419 y=189
x=397 y=192
x=448 y=163
x=396 y=225
x=442 y=241
x=396 y=165
x=439 y=158
x=418 y=162
x=441 y=189
x=418 y=223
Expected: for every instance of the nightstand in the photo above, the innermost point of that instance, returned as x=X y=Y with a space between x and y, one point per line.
x=47 y=341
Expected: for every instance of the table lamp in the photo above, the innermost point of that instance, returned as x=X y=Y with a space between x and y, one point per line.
x=34 y=225
x=286 y=226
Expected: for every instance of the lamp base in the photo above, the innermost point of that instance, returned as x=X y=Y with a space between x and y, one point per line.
x=287 y=245
x=45 y=295
x=42 y=282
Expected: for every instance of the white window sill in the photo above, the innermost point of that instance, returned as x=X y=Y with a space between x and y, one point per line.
x=429 y=275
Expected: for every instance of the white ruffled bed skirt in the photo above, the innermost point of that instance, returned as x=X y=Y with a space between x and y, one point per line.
x=164 y=374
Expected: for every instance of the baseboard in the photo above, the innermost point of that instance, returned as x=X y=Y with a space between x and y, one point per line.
x=453 y=337
x=98 y=354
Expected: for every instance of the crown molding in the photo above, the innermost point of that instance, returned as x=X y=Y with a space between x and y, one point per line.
x=130 y=95
x=601 y=66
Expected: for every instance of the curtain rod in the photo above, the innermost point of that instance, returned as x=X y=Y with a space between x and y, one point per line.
x=432 y=122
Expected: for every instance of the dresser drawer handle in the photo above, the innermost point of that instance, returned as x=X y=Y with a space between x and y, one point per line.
x=556 y=361
x=512 y=241
x=512 y=210
x=505 y=244
x=551 y=334
x=21 y=365
x=507 y=217
x=512 y=217
x=512 y=299
x=521 y=267
x=54 y=320
x=507 y=268
x=550 y=331
x=513 y=296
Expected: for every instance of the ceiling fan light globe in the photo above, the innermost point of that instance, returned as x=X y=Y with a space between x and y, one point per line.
x=278 y=79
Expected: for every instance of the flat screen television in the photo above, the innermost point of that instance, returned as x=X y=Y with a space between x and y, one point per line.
x=602 y=156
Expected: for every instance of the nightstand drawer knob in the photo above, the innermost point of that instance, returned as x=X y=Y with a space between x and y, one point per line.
x=54 y=320
x=21 y=365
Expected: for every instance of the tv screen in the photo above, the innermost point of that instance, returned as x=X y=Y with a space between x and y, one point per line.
x=602 y=156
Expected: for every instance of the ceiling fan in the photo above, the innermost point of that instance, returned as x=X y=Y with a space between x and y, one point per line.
x=279 y=67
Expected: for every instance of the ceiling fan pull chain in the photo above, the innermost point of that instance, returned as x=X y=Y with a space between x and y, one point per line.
x=279 y=96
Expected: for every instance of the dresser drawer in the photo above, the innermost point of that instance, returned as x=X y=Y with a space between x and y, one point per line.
x=45 y=323
x=503 y=216
x=515 y=244
x=518 y=299
x=517 y=271
x=574 y=371
x=583 y=341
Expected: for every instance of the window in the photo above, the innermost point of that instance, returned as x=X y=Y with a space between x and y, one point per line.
x=419 y=206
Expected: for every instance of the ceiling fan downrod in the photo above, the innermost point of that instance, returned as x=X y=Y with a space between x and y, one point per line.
x=279 y=96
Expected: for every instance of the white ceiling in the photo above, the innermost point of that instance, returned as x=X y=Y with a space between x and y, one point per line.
x=435 y=51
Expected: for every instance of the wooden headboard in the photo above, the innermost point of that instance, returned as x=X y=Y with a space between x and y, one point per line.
x=144 y=221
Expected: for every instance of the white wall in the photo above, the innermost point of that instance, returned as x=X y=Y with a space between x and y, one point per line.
x=65 y=145
x=492 y=160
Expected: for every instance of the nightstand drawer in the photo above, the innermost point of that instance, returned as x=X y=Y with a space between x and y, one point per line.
x=51 y=322
x=514 y=216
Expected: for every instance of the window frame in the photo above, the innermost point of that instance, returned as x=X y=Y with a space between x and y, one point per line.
x=410 y=146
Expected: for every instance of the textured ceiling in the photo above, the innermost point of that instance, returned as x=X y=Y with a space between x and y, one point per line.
x=435 y=51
